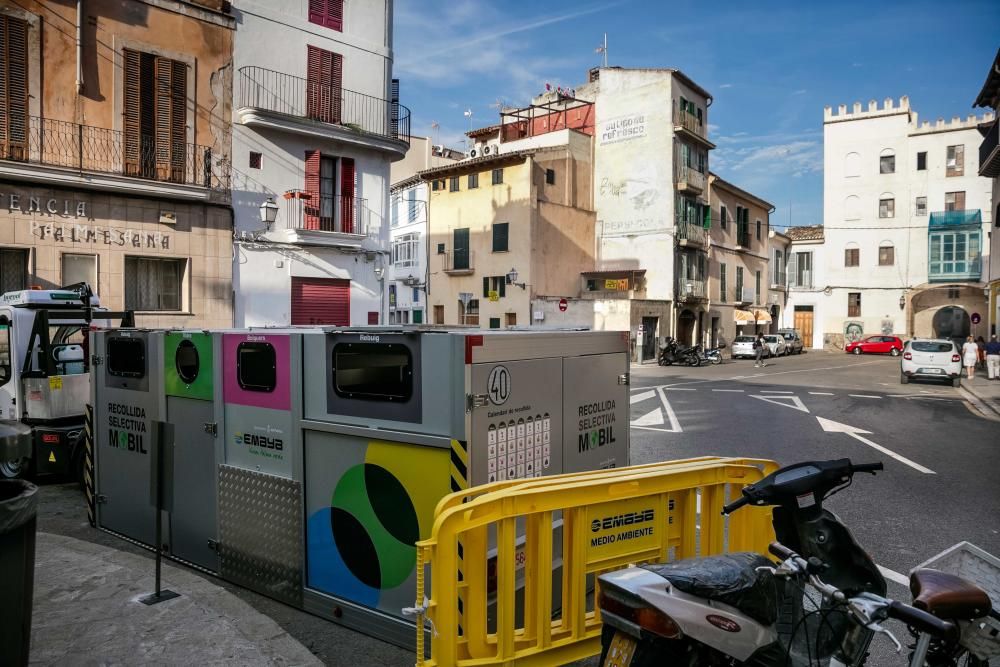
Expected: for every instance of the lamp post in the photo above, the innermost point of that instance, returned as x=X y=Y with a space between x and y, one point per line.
x=268 y=212
x=512 y=279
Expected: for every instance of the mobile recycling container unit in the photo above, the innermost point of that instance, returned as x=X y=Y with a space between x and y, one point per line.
x=338 y=443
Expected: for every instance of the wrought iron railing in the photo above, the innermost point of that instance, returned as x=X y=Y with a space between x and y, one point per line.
x=692 y=289
x=690 y=231
x=801 y=279
x=989 y=152
x=688 y=121
x=277 y=92
x=459 y=260
x=84 y=148
x=690 y=177
x=329 y=213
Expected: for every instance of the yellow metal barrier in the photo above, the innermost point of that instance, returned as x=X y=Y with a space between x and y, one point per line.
x=609 y=519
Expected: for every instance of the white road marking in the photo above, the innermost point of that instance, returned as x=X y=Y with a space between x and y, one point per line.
x=674 y=424
x=892 y=575
x=669 y=388
x=770 y=391
x=836 y=427
x=772 y=374
x=863 y=396
x=796 y=402
x=654 y=418
x=642 y=397
x=821 y=393
x=739 y=391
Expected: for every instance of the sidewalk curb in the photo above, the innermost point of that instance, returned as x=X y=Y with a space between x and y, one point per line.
x=985 y=406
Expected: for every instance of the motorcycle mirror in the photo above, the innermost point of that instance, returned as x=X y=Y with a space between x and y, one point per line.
x=721 y=345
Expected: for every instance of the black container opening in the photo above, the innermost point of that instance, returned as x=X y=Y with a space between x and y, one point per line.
x=126 y=357
x=187 y=362
x=256 y=366
x=375 y=371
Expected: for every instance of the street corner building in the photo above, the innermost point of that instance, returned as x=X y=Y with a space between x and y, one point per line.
x=114 y=154
x=317 y=123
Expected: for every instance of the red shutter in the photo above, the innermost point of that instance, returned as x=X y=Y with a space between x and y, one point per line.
x=321 y=301
x=311 y=207
x=317 y=12
x=348 y=211
x=324 y=73
x=335 y=14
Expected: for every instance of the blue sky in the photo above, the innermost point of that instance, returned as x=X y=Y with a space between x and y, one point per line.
x=770 y=66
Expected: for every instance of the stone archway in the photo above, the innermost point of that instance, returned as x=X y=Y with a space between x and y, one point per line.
x=686 y=322
x=951 y=322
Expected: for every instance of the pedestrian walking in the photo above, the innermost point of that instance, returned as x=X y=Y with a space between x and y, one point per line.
x=758 y=347
x=970 y=354
x=993 y=358
x=981 y=357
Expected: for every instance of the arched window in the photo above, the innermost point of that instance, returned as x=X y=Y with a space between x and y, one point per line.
x=852 y=165
x=887 y=161
x=852 y=254
x=887 y=205
x=852 y=208
x=886 y=254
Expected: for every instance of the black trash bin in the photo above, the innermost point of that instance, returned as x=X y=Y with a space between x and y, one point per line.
x=18 y=511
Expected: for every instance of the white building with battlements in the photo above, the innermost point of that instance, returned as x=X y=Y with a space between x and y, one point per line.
x=906 y=224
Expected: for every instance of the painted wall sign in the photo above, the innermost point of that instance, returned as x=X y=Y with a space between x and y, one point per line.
x=79 y=233
x=66 y=208
x=616 y=284
x=623 y=128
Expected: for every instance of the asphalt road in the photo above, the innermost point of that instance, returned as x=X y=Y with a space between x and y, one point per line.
x=902 y=517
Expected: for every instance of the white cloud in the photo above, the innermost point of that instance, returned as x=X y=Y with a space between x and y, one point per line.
x=780 y=160
x=800 y=91
x=725 y=85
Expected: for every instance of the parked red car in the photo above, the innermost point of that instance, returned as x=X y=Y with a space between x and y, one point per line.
x=876 y=345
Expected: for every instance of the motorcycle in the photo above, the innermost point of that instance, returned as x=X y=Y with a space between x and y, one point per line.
x=713 y=355
x=822 y=603
x=672 y=352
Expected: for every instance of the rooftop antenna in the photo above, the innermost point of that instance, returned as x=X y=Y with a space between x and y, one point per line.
x=436 y=129
x=603 y=49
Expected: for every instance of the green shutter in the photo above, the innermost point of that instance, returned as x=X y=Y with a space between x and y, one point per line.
x=707 y=213
x=503 y=286
x=486 y=287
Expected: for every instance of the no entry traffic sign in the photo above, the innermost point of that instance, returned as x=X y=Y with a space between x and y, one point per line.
x=563 y=305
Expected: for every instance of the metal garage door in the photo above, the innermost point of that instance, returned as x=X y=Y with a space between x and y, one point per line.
x=321 y=301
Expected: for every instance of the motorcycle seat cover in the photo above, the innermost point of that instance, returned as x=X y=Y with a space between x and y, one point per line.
x=730 y=578
x=948 y=596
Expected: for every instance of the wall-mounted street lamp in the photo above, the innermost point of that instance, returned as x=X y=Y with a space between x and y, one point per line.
x=512 y=279
x=902 y=302
x=268 y=212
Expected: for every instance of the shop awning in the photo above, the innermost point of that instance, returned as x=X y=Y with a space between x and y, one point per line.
x=751 y=317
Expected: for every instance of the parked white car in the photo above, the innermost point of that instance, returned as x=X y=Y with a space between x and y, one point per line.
x=776 y=345
x=743 y=348
x=935 y=358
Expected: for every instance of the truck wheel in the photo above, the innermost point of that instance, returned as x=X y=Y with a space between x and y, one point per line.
x=13 y=469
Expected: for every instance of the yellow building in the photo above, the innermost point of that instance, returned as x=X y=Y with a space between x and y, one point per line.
x=510 y=234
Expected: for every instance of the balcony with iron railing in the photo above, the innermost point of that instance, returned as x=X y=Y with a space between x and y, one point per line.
x=743 y=295
x=689 y=179
x=989 y=152
x=692 y=290
x=459 y=262
x=270 y=99
x=800 y=280
x=44 y=150
x=336 y=220
x=689 y=125
x=690 y=233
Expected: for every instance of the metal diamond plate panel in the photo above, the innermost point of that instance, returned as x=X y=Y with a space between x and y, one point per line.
x=260 y=533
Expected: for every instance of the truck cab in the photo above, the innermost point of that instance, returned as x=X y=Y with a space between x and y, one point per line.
x=45 y=373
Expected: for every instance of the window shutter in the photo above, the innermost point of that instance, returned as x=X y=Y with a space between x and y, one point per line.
x=335 y=14
x=348 y=210
x=791 y=270
x=131 y=112
x=324 y=73
x=503 y=286
x=317 y=11
x=170 y=104
x=486 y=287
x=336 y=93
x=178 y=120
x=312 y=189
x=13 y=88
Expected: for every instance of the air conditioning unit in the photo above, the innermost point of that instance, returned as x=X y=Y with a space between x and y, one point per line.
x=472 y=153
x=748 y=295
x=410 y=281
x=773 y=299
x=487 y=149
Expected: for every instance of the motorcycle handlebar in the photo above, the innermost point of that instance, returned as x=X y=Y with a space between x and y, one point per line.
x=922 y=621
x=780 y=550
x=735 y=505
x=867 y=467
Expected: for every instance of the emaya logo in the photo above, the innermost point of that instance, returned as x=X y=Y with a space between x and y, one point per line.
x=262 y=441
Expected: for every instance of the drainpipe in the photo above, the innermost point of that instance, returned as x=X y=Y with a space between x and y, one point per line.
x=79 y=46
